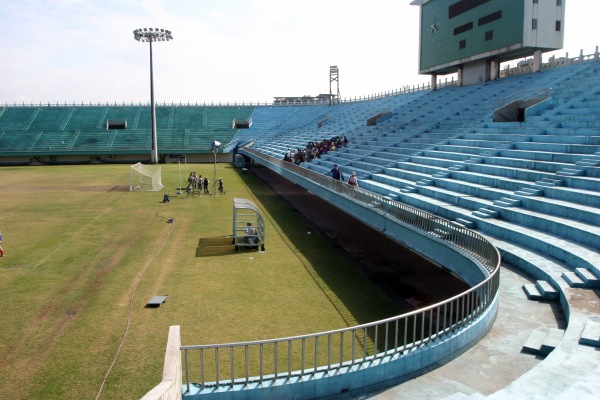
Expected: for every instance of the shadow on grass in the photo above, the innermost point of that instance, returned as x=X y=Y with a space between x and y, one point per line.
x=215 y=246
x=335 y=271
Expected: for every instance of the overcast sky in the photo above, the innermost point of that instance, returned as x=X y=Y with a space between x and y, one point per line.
x=223 y=50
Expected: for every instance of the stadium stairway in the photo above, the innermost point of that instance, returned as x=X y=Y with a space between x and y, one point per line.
x=536 y=196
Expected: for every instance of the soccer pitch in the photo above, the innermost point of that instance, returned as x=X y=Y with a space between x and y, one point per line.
x=84 y=255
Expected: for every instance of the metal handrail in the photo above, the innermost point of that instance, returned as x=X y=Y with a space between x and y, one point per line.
x=523 y=95
x=306 y=355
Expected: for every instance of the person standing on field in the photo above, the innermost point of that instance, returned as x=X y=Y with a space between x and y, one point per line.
x=205 y=184
x=1 y=250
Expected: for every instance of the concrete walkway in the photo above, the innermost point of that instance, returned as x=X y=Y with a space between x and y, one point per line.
x=495 y=361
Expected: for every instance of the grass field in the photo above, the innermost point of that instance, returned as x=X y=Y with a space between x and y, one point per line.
x=84 y=255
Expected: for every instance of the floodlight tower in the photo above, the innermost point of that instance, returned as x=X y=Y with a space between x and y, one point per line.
x=334 y=73
x=152 y=35
x=215 y=148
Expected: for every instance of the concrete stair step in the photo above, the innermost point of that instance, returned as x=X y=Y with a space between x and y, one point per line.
x=543 y=342
x=589 y=279
x=486 y=213
x=591 y=334
x=490 y=154
x=550 y=182
x=425 y=182
x=548 y=291
x=508 y=202
x=541 y=290
x=533 y=344
x=570 y=172
x=532 y=292
x=552 y=340
x=530 y=192
x=466 y=223
x=588 y=163
x=573 y=279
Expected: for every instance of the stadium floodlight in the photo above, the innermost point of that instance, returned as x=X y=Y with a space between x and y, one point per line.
x=152 y=35
x=215 y=147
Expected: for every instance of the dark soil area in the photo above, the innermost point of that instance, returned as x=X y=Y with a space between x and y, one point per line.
x=409 y=279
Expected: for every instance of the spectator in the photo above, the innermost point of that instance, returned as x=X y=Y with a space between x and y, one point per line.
x=342 y=178
x=353 y=180
x=335 y=172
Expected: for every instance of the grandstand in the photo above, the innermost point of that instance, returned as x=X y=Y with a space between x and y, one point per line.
x=80 y=133
x=529 y=187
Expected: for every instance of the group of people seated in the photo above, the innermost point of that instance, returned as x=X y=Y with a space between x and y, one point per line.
x=314 y=150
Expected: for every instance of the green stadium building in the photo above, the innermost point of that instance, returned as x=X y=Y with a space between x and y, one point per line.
x=472 y=37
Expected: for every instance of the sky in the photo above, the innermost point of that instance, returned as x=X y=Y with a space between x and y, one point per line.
x=82 y=51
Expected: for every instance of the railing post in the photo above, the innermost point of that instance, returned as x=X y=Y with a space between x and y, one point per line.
x=232 y=360
x=328 y=352
x=187 y=370
x=217 y=365
x=316 y=354
x=289 y=359
x=202 y=377
x=341 y=348
x=246 y=351
x=275 y=359
x=262 y=354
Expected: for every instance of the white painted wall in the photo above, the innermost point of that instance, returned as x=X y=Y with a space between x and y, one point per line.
x=547 y=13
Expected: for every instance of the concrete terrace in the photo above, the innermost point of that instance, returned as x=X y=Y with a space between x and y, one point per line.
x=530 y=187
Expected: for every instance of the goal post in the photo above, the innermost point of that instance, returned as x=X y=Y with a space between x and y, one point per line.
x=145 y=177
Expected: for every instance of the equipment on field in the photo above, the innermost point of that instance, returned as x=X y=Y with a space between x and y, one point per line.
x=248 y=225
x=145 y=177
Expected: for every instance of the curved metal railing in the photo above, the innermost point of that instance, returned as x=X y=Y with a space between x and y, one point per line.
x=298 y=356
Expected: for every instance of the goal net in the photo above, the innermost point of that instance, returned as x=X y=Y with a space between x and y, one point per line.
x=145 y=177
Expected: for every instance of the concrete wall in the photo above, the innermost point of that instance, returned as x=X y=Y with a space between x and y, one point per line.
x=426 y=245
x=170 y=387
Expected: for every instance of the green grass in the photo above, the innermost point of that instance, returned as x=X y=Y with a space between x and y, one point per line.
x=77 y=243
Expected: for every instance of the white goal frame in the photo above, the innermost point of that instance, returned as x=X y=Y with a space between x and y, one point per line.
x=145 y=177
